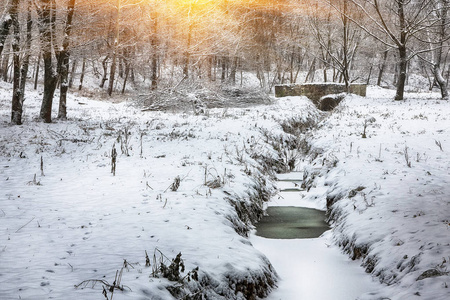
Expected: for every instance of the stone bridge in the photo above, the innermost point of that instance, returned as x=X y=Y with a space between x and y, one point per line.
x=315 y=91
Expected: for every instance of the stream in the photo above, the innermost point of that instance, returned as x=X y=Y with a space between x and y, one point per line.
x=297 y=241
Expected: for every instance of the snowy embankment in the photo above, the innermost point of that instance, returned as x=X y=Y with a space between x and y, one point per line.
x=184 y=183
x=388 y=193
x=192 y=184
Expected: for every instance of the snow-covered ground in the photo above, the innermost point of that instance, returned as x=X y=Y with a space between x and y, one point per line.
x=314 y=269
x=74 y=222
x=389 y=193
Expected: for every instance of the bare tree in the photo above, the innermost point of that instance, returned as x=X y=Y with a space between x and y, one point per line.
x=442 y=15
x=112 y=73
x=20 y=68
x=338 y=39
x=396 y=24
x=27 y=53
x=63 y=61
x=154 y=48
x=4 y=26
x=17 y=105
x=47 y=19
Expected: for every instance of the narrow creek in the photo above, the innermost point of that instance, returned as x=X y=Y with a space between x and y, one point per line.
x=297 y=241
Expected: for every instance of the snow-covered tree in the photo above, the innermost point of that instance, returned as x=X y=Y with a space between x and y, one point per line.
x=396 y=24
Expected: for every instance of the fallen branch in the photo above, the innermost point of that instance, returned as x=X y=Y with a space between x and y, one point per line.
x=25 y=225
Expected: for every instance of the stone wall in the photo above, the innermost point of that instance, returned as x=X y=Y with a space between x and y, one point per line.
x=315 y=91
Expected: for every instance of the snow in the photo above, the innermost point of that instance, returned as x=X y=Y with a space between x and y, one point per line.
x=77 y=221
x=399 y=222
x=314 y=269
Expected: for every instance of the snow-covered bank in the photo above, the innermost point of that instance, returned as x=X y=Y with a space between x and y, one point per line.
x=76 y=221
x=184 y=183
x=388 y=193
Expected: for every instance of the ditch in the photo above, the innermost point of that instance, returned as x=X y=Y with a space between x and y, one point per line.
x=296 y=239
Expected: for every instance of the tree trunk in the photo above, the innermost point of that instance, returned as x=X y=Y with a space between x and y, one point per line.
x=126 y=66
x=187 y=55
x=437 y=64
x=441 y=82
x=112 y=75
x=403 y=62
x=17 y=105
x=402 y=67
x=72 y=73
x=38 y=66
x=345 y=46
x=4 y=31
x=154 y=77
x=383 y=66
x=132 y=77
x=224 y=68
x=448 y=74
x=369 y=76
x=64 y=71
x=47 y=20
x=242 y=77
x=233 y=70
x=291 y=65
x=64 y=57
x=105 y=71
x=26 y=59
x=312 y=70
x=50 y=80
x=154 y=45
x=112 y=72
x=83 y=70
x=121 y=63
x=5 y=65
x=127 y=72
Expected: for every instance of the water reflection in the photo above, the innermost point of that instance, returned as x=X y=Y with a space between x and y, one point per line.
x=289 y=222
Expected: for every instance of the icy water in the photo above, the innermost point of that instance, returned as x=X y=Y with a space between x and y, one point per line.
x=309 y=268
x=290 y=222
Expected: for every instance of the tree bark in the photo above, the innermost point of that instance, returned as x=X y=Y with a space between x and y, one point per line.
x=311 y=71
x=383 y=66
x=47 y=18
x=154 y=45
x=291 y=65
x=16 y=107
x=187 y=54
x=38 y=65
x=234 y=66
x=83 y=70
x=403 y=62
x=64 y=57
x=105 y=71
x=4 y=31
x=112 y=72
x=26 y=59
x=345 y=46
x=127 y=72
x=224 y=68
x=72 y=73
x=5 y=64
x=402 y=68
x=438 y=59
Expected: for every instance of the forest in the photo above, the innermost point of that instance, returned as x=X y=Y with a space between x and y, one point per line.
x=142 y=147
x=152 y=46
